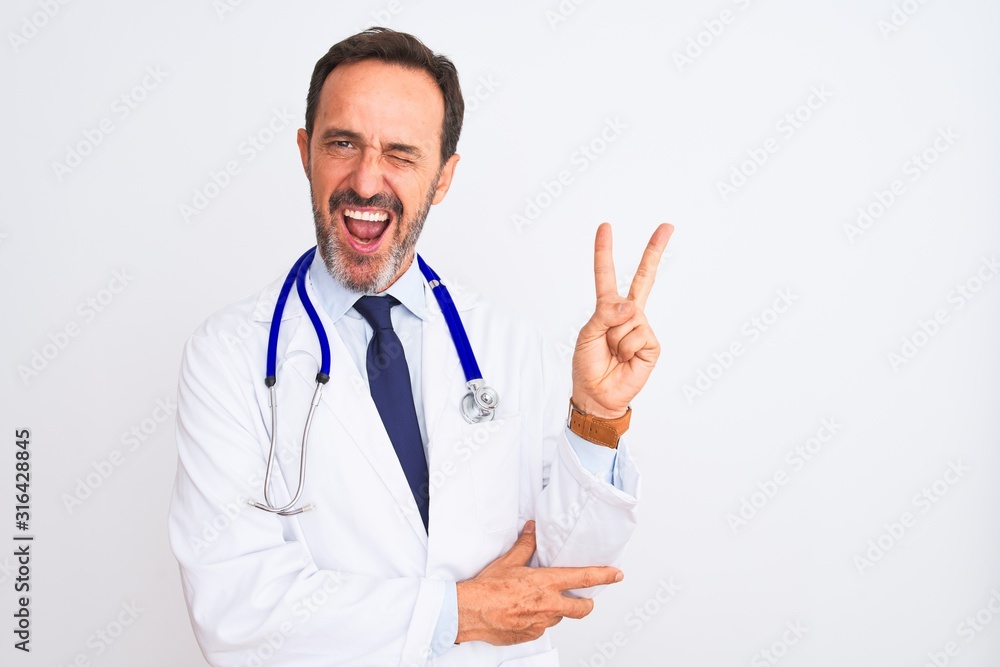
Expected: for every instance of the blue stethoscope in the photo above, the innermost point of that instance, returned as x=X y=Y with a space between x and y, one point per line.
x=477 y=406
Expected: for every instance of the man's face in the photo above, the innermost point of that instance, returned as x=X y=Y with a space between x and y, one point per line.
x=374 y=169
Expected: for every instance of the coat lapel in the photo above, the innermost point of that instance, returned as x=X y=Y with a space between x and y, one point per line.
x=440 y=367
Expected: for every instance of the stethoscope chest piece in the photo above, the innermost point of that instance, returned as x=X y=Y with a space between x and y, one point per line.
x=479 y=405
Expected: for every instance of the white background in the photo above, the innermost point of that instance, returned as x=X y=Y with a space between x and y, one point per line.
x=553 y=86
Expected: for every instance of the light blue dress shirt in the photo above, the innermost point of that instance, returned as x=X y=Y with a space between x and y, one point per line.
x=354 y=330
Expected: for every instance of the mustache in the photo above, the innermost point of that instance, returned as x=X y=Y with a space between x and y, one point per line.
x=351 y=198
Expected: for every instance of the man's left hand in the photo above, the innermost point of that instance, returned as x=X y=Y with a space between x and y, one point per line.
x=616 y=349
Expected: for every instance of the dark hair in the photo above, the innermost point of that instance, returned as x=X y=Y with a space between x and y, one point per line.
x=399 y=48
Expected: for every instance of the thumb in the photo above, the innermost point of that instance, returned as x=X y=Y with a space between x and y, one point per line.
x=520 y=553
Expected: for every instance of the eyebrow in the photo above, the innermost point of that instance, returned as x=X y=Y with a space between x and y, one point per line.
x=333 y=133
x=339 y=134
x=397 y=147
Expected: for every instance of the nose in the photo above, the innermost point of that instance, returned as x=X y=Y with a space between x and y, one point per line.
x=366 y=178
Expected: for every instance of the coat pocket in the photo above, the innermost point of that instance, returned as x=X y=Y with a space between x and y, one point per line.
x=495 y=448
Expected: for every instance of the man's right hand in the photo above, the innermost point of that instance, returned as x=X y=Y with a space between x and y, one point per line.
x=510 y=603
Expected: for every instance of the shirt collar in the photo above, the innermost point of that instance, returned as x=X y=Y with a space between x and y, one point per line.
x=337 y=299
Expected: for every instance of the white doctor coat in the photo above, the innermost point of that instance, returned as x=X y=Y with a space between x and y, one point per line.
x=358 y=580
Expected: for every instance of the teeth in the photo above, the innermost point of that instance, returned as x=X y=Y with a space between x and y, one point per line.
x=367 y=215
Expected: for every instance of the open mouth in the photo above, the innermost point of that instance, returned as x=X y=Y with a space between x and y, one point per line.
x=365 y=227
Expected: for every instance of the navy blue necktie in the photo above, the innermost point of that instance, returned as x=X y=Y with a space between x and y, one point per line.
x=389 y=381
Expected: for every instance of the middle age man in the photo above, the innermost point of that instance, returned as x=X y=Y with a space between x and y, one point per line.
x=412 y=555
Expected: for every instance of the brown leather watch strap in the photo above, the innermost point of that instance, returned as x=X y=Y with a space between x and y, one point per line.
x=605 y=432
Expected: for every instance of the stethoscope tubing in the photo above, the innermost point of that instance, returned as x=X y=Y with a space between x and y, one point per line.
x=297 y=276
x=450 y=312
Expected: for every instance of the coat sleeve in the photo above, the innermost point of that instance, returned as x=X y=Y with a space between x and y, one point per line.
x=254 y=593
x=580 y=519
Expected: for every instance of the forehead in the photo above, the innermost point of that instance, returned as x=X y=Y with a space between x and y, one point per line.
x=382 y=101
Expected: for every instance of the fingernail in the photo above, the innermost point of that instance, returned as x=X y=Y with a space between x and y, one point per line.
x=619 y=576
x=623 y=307
x=529 y=527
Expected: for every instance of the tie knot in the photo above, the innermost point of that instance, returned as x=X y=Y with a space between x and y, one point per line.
x=376 y=310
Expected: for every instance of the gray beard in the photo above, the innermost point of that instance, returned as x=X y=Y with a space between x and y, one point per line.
x=380 y=271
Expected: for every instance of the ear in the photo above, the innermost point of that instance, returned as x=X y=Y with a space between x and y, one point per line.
x=444 y=179
x=303 y=140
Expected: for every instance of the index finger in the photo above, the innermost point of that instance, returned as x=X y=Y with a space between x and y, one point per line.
x=567 y=578
x=642 y=283
x=604 y=263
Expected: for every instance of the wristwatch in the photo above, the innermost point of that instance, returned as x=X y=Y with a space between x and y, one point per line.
x=604 y=432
